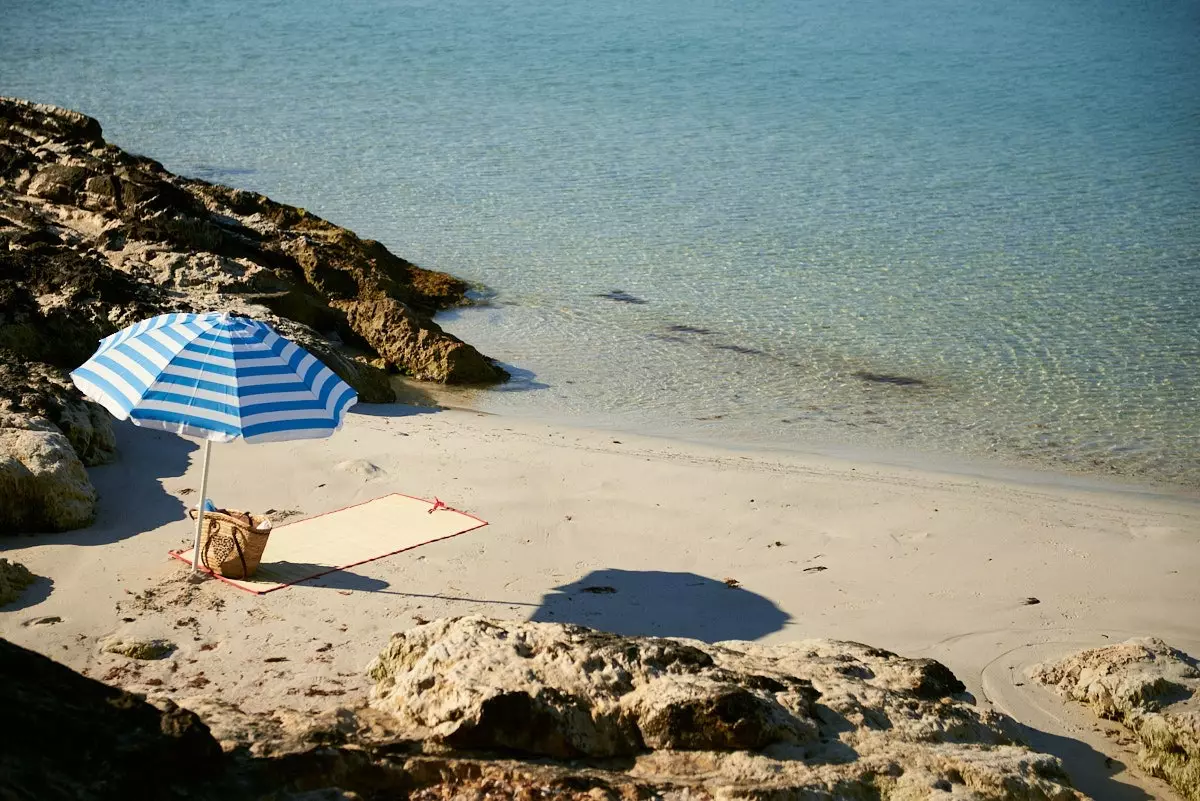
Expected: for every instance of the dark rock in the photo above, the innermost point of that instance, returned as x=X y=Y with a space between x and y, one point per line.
x=59 y=123
x=60 y=183
x=14 y=578
x=140 y=649
x=935 y=680
x=735 y=719
x=168 y=243
x=621 y=296
x=56 y=303
x=69 y=737
x=421 y=349
x=317 y=271
x=12 y=160
x=742 y=349
x=883 y=378
x=548 y=722
x=39 y=390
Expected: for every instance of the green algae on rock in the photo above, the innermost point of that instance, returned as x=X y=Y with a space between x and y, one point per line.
x=140 y=649
x=14 y=578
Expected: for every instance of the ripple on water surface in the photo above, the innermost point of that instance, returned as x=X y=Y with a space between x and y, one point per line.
x=957 y=226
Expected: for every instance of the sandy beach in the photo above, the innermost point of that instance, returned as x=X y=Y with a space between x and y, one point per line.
x=987 y=577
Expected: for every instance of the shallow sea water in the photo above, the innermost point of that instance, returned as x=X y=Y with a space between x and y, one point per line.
x=946 y=226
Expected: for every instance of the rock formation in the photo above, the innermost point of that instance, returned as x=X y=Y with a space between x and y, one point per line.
x=478 y=708
x=1151 y=689
x=815 y=718
x=65 y=736
x=43 y=485
x=14 y=578
x=139 y=649
x=93 y=238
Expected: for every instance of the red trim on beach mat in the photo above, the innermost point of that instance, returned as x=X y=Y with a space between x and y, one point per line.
x=436 y=505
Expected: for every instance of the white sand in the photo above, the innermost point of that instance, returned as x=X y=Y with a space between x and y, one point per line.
x=919 y=563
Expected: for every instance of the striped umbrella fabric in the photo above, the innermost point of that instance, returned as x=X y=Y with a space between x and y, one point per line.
x=215 y=377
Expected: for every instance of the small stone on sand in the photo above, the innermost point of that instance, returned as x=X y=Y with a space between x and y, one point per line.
x=140 y=649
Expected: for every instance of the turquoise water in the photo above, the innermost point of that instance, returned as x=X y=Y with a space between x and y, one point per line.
x=998 y=200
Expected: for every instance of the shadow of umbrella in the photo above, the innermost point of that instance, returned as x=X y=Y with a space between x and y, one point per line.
x=309 y=574
x=662 y=604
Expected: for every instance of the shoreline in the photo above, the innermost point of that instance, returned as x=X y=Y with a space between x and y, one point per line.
x=969 y=466
x=594 y=362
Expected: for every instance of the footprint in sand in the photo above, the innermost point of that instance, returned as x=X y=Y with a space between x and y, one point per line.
x=361 y=467
x=909 y=537
x=1158 y=533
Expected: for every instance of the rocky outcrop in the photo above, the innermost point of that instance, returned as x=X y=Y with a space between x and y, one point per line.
x=43 y=485
x=1151 y=689
x=477 y=708
x=394 y=331
x=814 y=718
x=93 y=238
x=140 y=649
x=32 y=389
x=64 y=736
x=14 y=578
x=202 y=244
x=48 y=435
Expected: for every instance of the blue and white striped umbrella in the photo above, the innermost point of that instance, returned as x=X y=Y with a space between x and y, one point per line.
x=215 y=377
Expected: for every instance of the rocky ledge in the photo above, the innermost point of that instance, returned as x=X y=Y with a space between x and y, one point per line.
x=481 y=708
x=93 y=238
x=1151 y=689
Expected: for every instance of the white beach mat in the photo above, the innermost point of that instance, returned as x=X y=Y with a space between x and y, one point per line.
x=337 y=540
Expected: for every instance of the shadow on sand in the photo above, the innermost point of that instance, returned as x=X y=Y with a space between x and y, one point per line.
x=348 y=581
x=1091 y=772
x=393 y=409
x=330 y=577
x=661 y=604
x=32 y=595
x=132 y=497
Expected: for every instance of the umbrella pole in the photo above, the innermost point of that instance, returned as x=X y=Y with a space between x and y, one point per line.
x=200 y=513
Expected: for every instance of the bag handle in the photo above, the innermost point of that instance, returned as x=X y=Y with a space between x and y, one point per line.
x=214 y=526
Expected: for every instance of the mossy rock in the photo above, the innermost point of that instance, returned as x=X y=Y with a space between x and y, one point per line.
x=14 y=578
x=141 y=649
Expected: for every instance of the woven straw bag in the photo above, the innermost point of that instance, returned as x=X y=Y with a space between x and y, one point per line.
x=232 y=542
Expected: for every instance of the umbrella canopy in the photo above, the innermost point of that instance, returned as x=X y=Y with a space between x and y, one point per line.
x=215 y=377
